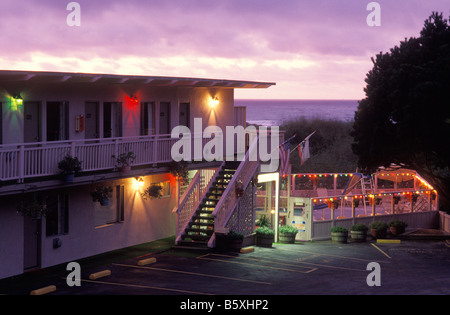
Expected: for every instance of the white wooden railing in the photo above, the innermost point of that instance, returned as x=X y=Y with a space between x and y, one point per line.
x=27 y=160
x=192 y=196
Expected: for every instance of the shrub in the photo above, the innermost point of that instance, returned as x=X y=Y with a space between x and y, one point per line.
x=338 y=229
x=264 y=230
x=287 y=229
x=233 y=235
x=378 y=225
x=359 y=227
x=398 y=224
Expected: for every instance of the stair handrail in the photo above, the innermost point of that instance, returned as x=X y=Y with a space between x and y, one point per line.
x=226 y=204
x=194 y=187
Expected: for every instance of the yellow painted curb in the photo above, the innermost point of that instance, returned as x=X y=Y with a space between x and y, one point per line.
x=100 y=274
x=146 y=261
x=44 y=290
x=381 y=241
x=249 y=249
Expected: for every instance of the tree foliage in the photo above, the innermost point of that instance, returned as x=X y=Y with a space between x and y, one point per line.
x=330 y=146
x=405 y=116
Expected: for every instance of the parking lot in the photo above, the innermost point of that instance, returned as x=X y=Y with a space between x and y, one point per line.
x=409 y=267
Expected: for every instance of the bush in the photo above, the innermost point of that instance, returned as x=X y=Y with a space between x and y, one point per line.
x=359 y=227
x=232 y=235
x=397 y=224
x=264 y=230
x=287 y=229
x=338 y=229
x=378 y=225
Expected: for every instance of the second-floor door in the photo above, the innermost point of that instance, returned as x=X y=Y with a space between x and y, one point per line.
x=91 y=120
x=32 y=121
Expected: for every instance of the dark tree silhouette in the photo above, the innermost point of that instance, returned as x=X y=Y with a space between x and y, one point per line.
x=405 y=116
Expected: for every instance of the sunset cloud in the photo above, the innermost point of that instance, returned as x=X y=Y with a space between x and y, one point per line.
x=312 y=49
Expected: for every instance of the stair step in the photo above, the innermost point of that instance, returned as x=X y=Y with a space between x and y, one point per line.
x=198 y=230
x=196 y=238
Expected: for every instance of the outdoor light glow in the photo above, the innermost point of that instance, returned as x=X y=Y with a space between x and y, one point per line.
x=16 y=101
x=138 y=183
x=213 y=102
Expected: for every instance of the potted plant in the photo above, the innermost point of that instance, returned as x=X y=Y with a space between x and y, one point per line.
x=264 y=236
x=287 y=234
x=339 y=234
x=102 y=194
x=124 y=160
x=69 y=166
x=180 y=171
x=333 y=204
x=153 y=192
x=378 y=229
x=358 y=232
x=32 y=208
x=262 y=221
x=234 y=241
x=396 y=199
x=397 y=227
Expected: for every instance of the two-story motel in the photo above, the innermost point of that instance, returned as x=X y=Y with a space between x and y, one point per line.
x=46 y=116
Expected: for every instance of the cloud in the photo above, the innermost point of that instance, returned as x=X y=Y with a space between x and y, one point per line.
x=302 y=45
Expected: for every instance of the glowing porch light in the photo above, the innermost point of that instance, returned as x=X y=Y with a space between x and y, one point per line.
x=16 y=101
x=138 y=183
x=213 y=102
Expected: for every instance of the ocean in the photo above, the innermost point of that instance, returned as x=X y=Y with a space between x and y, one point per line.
x=275 y=112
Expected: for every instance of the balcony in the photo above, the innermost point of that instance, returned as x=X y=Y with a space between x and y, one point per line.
x=19 y=162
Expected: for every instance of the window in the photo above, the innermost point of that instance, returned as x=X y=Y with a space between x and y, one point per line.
x=165 y=191
x=112 y=119
x=114 y=211
x=57 y=218
x=57 y=121
x=147 y=118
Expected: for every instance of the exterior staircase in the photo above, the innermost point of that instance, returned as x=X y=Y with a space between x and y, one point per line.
x=200 y=228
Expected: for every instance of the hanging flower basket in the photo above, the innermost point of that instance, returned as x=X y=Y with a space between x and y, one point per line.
x=32 y=209
x=102 y=194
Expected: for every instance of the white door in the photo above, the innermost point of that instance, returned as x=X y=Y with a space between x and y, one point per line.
x=300 y=208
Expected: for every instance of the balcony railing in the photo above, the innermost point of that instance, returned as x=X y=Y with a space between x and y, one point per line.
x=28 y=160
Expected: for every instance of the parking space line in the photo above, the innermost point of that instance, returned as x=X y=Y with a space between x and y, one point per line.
x=380 y=250
x=330 y=255
x=144 y=287
x=252 y=264
x=193 y=273
x=310 y=263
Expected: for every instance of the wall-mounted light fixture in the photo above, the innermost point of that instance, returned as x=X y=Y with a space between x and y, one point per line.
x=16 y=101
x=213 y=102
x=139 y=183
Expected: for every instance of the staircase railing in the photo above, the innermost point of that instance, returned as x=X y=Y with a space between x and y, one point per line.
x=192 y=196
x=227 y=203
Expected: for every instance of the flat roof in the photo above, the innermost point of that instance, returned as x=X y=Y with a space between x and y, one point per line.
x=99 y=78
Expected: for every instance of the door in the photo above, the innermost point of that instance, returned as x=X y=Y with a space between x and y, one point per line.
x=32 y=121
x=31 y=243
x=300 y=212
x=184 y=114
x=164 y=118
x=91 y=120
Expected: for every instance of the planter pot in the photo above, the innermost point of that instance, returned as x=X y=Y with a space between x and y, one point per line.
x=396 y=230
x=287 y=238
x=104 y=201
x=125 y=168
x=68 y=178
x=339 y=237
x=235 y=245
x=264 y=240
x=358 y=236
x=378 y=233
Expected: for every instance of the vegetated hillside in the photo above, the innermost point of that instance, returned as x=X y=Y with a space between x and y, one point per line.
x=330 y=146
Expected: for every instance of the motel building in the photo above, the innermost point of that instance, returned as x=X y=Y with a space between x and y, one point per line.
x=118 y=129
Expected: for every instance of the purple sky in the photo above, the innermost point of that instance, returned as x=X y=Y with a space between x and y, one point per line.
x=312 y=49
